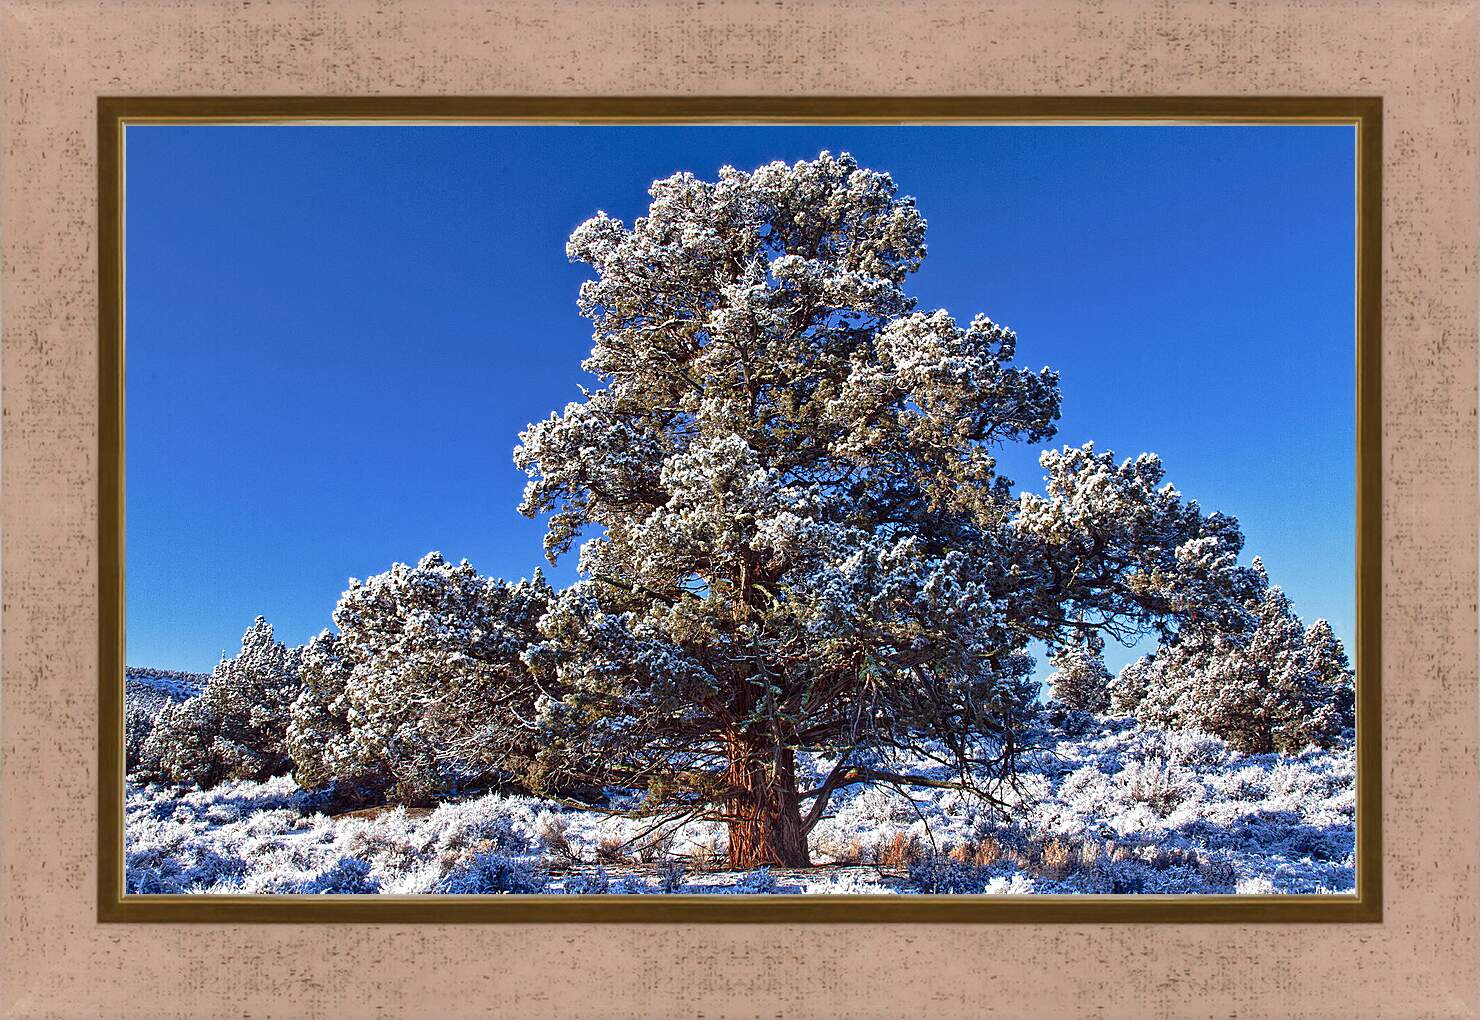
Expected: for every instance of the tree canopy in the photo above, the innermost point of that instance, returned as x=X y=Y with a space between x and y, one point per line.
x=235 y=727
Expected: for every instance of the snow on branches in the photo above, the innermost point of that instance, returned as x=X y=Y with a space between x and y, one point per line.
x=798 y=549
x=1080 y=680
x=423 y=687
x=1273 y=685
x=233 y=729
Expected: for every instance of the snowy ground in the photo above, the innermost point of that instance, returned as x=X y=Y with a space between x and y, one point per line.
x=1105 y=808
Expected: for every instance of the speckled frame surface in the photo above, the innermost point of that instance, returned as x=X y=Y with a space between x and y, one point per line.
x=57 y=58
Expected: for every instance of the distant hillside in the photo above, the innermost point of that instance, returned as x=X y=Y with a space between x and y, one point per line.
x=152 y=684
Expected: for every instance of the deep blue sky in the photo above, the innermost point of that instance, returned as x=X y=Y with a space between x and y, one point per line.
x=335 y=333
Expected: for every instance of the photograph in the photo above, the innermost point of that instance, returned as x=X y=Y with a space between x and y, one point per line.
x=818 y=509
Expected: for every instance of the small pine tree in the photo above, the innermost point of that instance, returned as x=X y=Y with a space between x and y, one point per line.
x=236 y=727
x=1080 y=679
x=146 y=693
x=1274 y=685
x=1328 y=660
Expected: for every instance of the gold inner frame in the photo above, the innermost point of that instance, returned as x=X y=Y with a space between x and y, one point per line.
x=1365 y=114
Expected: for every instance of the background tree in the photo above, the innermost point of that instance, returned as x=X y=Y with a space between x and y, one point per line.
x=798 y=538
x=236 y=727
x=423 y=690
x=1276 y=685
x=146 y=693
x=1080 y=680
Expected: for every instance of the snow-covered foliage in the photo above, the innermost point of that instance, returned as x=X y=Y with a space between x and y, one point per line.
x=1171 y=566
x=170 y=684
x=235 y=727
x=423 y=689
x=799 y=536
x=146 y=693
x=1080 y=680
x=1274 y=685
x=1103 y=806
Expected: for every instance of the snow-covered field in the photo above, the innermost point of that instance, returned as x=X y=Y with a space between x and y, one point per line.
x=1106 y=807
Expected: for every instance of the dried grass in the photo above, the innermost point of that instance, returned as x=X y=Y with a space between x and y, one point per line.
x=707 y=855
x=982 y=853
x=555 y=838
x=655 y=848
x=613 y=850
x=899 y=851
x=1056 y=857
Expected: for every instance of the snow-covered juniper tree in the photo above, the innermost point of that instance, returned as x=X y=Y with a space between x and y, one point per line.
x=797 y=537
x=1080 y=680
x=1273 y=685
x=423 y=689
x=235 y=728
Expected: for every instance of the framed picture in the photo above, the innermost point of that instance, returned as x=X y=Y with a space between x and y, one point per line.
x=949 y=509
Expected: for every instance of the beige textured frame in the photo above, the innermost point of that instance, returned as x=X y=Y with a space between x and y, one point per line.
x=55 y=960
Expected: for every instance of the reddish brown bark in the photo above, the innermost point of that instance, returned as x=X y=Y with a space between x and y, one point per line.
x=765 y=818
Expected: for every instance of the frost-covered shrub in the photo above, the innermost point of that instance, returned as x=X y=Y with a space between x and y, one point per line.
x=1090 y=827
x=342 y=875
x=1244 y=784
x=933 y=873
x=1201 y=752
x=1080 y=680
x=163 y=857
x=670 y=877
x=423 y=691
x=591 y=883
x=1274 y=685
x=865 y=820
x=492 y=872
x=1145 y=791
x=236 y=727
x=506 y=823
x=1218 y=872
x=1011 y=885
x=758 y=881
x=1161 y=786
x=553 y=832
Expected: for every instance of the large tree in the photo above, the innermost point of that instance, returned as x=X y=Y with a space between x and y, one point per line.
x=796 y=536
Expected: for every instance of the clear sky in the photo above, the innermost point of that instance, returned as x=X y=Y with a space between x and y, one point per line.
x=335 y=333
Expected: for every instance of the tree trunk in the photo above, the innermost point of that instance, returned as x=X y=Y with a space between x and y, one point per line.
x=765 y=819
